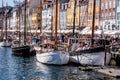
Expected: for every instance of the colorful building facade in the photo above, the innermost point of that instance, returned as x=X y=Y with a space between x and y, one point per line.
x=118 y=14
x=63 y=8
x=70 y=14
x=47 y=16
x=108 y=10
x=97 y=13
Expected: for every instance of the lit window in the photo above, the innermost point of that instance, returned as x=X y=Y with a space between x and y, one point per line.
x=110 y=4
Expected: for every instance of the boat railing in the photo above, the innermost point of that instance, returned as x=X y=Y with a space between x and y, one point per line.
x=90 y=50
x=113 y=49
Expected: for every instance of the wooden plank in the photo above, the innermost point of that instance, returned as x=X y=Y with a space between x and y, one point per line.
x=89 y=68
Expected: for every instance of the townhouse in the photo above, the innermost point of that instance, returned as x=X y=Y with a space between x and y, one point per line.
x=117 y=14
x=107 y=18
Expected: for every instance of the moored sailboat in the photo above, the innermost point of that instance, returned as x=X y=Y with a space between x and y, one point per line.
x=93 y=56
x=23 y=50
x=5 y=42
x=54 y=56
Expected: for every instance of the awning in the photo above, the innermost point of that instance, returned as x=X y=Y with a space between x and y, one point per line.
x=110 y=32
x=86 y=31
x=98 y=31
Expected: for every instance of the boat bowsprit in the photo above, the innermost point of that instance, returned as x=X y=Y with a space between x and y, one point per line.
x=94 y=57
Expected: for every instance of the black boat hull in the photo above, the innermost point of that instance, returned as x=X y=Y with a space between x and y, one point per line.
x=91 y=50
x=23 y=51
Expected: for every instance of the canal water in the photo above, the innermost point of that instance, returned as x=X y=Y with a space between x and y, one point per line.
x=18 y=68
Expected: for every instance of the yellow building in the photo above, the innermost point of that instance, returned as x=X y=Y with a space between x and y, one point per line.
x=97 y=13
x=34 y=20
x=70 y=14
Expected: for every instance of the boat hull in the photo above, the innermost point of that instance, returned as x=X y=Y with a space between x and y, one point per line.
x=5 y=44
x=95 y=59
x=24 y=51
x=54 y=57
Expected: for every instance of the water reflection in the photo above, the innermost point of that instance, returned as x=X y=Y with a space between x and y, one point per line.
x=17 y=68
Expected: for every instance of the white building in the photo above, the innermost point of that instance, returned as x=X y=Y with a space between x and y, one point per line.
x=107 y=18
x=13 y=20
x=62 y=19
x=47 y=15
x=118 y=14
x=63 y=14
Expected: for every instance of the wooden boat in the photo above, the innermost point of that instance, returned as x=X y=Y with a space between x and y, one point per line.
x=95 y=57
x=50 y=56
x=23 y=50
x=55 y=57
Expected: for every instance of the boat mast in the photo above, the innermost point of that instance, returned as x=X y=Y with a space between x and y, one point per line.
x=25 y=23
x=40 y=22
x=2 y=19
x=93 y=23
x=19 y=24
x=52 y=19
x=56 y=25
x=6 y=22
x=74 y=14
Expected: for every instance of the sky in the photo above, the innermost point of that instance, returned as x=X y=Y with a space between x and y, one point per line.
x=9 y=2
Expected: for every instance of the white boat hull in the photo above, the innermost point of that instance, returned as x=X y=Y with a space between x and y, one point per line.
x=54 y=57
x=96 y=59
x=5 y=44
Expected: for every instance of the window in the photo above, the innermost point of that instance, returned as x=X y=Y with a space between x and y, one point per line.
x=113 y=15
x=97 y=2
x=118 y=3
x=44 y=7
x=69 y=4
x=102 y=6
x=118 y=16
x=110 y=15
x=90 y=4
x=77 y=2
x=114 y=4
x=66 y=5
x=97 y=16
x=106 y=4
x=110 y=4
